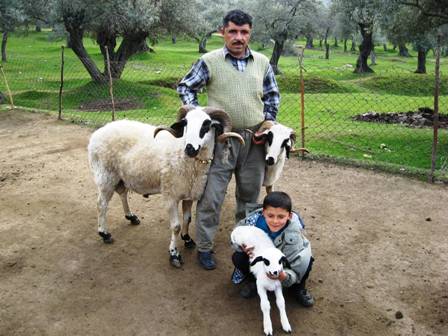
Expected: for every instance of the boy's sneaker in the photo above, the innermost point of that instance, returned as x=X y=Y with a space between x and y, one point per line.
x=249 y=290
x=304 y=297
x=237 y=276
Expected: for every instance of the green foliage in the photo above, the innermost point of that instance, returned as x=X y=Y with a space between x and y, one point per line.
x=333 y=95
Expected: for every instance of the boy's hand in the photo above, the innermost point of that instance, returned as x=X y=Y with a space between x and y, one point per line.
x=282 y=276
x=249 y=250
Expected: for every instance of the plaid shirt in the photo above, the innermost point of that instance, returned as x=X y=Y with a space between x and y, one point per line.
x=198 y=77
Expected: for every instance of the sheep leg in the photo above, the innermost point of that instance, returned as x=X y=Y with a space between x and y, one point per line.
x=104 y=196
x=280 y=300
x=186 y=212
x=123 y=192
x=265 y=308
x=175 y=257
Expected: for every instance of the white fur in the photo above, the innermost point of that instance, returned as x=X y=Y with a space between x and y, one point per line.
x=124 y=155
x=251 y=236
x=277 y=153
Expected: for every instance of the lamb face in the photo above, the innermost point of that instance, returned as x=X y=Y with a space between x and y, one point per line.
x=272 y=259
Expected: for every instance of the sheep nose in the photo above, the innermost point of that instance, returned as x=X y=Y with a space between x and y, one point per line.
x=270 y=161
x=275 y=272
x=190 y=151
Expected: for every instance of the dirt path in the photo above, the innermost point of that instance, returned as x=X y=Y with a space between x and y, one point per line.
x=380 y=244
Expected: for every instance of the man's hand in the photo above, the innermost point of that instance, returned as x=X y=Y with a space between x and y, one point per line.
x=282 y=276
x=249 y=250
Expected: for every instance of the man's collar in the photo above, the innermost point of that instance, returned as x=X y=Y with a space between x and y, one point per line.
x=227 y=53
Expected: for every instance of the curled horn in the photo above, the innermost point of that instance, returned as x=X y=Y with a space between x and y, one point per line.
x=183 y=110
x=177 y=128
x=267 y=124
x=220 y=116
x=224 y=120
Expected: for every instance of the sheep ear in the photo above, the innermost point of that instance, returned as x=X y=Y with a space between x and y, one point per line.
x=178 y=128
x=219 y=128
x=257 y=259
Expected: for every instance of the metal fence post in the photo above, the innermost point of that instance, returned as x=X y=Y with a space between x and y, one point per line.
x=302 y=150
x=435 y=118
x=11 y=101
x=62 y=83
x=111 y=91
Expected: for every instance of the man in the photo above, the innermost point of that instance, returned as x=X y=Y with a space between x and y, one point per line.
x=242 y=83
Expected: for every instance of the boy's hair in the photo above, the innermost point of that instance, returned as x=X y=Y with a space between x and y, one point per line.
x=278 y=199
x=238 y=17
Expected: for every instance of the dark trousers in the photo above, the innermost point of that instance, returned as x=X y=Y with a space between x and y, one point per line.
x=241 y=261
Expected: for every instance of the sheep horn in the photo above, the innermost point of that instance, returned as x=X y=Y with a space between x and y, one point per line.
x=223 y=137
x=183 y=110
x=164 y=128
x=267 y=124
x=221 y=116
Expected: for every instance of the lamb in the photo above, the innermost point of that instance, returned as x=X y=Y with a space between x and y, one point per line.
x=279 y=140
x=132 y=156
x=272 y=263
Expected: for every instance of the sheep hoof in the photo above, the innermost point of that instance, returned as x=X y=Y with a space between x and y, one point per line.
x=188 y=242
x=176 y=260
x=133 y=218
x=107 y=237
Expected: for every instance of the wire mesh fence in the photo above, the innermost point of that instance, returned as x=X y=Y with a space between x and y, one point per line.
x=383 y=119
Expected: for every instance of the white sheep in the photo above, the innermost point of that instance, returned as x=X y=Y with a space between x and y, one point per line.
x=265 y=259
x=132 y=156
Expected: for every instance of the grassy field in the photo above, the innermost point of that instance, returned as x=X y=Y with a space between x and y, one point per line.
x=333 y=95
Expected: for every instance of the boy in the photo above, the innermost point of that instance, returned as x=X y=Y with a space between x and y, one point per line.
x=284 y=227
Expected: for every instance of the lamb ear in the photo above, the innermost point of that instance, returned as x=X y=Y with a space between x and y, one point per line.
x=285 y=262
x=257 y=259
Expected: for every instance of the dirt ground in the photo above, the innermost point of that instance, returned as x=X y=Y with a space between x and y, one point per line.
x=380 y=244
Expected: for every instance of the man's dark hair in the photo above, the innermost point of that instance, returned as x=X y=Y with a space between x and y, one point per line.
x=238 y=17
x=278 y=199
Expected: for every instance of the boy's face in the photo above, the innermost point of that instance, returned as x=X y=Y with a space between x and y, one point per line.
x=276 y=218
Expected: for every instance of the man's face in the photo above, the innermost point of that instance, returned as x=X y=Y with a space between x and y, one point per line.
x=236 y=38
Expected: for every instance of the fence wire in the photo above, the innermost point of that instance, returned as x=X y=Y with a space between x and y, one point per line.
x=381 y=120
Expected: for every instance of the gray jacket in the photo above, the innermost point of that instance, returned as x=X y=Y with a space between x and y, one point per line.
x=294 y=245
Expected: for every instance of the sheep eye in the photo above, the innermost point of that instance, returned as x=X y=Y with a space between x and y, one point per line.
x=205 y=128
x=266 y=262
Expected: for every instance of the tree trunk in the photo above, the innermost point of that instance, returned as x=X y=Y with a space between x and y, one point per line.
x=4 y=41
x=421 y=64
x=203 y=42
x=38 y=27
x=320 y=43
x=365 y=49
x=327 y=51
x=353 y=47
x=336 y=42
x=385 y=46
x=403 y=51
x=278 y=49
x=345 y=45
x=174 y=38
x=309 y=42
x=77 y=46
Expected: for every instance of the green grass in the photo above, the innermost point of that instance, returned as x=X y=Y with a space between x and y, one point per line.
x=333 y=95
